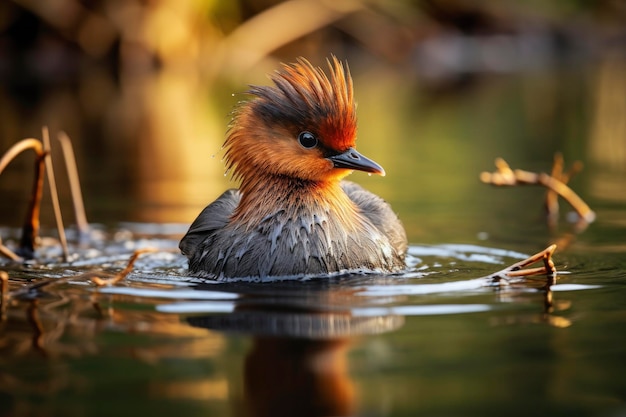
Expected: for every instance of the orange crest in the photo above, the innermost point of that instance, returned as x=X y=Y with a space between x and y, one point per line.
x=305 y=98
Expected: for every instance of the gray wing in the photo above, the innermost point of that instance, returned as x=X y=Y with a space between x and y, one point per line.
x=380 y=213
x=214 y=217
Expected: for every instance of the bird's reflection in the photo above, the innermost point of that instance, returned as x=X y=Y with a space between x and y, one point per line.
x=286 y=376
x=297 y=364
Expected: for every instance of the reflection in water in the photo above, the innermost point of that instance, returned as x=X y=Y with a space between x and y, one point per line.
x=44 y=324
x=550 y=306
x=297 y=365
x=299 y=336
x=298 y=377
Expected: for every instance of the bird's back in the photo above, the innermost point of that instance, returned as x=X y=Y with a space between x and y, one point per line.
x=213 y=218
x=311 y=240
x=380 y=213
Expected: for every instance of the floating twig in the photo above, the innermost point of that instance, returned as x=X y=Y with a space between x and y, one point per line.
x=32 y=294
x=100 y=282
x=505 y=176
x=516 y=270
x=31 y=291
x=53 y=194
x=72 y=174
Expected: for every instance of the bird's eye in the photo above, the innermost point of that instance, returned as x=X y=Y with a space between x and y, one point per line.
x=307 y=140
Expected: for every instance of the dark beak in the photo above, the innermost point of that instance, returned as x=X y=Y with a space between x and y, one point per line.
x=351 y=159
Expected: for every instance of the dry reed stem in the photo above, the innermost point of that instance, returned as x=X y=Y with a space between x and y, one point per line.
x=53 y=194
x=8 y=253
x=72 y=174
x=30 y=229
x=18 y=148
x=4 y=294
x=505 y=176
x=516 y=270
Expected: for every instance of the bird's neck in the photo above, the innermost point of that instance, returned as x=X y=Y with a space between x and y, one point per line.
x=264 y=196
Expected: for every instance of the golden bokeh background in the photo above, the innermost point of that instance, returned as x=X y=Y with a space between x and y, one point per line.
x=144 y=89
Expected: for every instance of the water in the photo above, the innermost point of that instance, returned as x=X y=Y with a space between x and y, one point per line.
x=439 y=340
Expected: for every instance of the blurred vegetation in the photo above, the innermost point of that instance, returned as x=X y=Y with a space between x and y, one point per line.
x=144 y=87
x=52 y=42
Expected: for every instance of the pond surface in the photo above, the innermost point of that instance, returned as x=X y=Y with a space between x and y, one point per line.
x=437 y=341
x=440 y=340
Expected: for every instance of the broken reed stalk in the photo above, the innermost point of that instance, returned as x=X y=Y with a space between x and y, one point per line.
x=552 y=198
x=72 y=174
x=30 y=229
x=53 y=194
x=505 y=176
x=516 y=270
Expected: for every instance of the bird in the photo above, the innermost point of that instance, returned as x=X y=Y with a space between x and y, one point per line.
x=290 y=146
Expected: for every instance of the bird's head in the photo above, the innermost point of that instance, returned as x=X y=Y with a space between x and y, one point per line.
x=303 y=127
